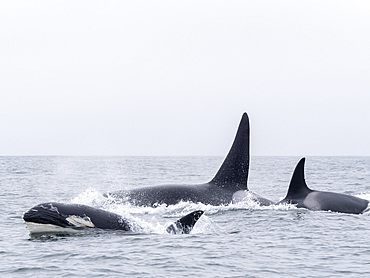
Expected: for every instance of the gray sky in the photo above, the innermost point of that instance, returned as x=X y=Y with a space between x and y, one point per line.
x=174 y=77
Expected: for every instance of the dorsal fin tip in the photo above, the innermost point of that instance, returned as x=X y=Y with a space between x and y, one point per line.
x=234 y=170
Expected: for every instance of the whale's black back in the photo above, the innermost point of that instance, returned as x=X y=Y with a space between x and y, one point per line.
x=304 y=197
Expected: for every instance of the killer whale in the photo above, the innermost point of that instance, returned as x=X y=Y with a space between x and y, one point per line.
x=53 y=217
x=304 y=197
x=231 y=178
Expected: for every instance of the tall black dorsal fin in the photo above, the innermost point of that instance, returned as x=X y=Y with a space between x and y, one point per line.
x=185 y=224
x=234 y=170
x=298 y=186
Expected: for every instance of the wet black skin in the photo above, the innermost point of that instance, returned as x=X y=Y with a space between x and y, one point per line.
x=304 y=197
x=57 y=214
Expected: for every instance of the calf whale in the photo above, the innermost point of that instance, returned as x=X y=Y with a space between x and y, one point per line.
x=231 y=178
x=54 y=217
x=304 y=197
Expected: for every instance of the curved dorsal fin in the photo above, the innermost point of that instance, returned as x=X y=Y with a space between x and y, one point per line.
x=234 y=170
x=298 y=186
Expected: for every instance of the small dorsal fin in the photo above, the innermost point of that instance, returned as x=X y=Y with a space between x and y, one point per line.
x=298 y=186
x=185 y=224
x=235 y=168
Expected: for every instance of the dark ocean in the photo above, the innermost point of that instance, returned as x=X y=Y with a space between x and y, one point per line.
x=236 y=240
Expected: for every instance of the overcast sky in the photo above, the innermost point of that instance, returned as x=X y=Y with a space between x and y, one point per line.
x=174 y=77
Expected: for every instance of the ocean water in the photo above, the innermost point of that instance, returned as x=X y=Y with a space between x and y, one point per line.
x=236 y=240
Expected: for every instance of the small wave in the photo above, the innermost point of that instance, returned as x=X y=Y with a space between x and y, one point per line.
x=367 y=210
x=20 y=172
x=27 y=269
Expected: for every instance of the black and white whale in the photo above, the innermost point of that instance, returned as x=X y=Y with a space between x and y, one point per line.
x=231 y=178
x=59 y=217
x=304 y=197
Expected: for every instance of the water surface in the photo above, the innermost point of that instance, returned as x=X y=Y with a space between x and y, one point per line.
x=240 y=240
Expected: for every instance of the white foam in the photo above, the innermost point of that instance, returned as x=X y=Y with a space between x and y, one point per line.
x=134 y=214
x=365 y=196
x=94 y=198
x=90 y=197
x=205 y=225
